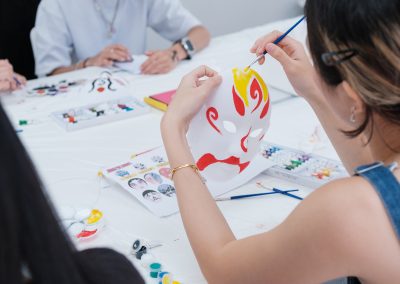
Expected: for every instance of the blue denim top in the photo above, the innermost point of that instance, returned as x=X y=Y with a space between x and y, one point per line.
x=388 y=189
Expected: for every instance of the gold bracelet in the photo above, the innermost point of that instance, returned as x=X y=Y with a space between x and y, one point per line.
x=192 y=166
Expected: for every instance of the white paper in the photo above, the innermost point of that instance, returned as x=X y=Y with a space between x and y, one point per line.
x=147 y=178
x=149 y=173
x=134 y=66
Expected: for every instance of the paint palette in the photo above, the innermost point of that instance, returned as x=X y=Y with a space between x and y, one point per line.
x=81 y=224
x=100 y=113
x=305 y=169
x=54 y=89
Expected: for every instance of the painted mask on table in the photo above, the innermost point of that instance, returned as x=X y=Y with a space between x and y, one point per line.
x=105 y=83
x=226 y=134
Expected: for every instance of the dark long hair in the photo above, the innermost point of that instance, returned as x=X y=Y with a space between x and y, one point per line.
x=371 y=28
x=30 y=233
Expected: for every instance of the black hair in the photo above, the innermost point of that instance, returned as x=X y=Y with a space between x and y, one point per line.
x=372 y=29
x=30 y=233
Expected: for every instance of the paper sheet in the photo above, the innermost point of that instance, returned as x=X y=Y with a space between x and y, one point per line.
x=146 y=177
x=134 y=66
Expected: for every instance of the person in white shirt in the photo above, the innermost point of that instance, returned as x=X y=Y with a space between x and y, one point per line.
x=74 y=34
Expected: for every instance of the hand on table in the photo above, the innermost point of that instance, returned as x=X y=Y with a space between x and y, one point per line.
x=9 y=81
x=110 y=54
x=292 y=56
x=159 y=62
x=190 y=97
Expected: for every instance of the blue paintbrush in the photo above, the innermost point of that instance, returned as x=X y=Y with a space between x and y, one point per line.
x=253 y=195
x=278 y=40
x=280 y=191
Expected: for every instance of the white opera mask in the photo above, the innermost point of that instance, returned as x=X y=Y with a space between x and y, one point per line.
x=226 y=134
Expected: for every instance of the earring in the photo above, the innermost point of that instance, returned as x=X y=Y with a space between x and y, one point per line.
x=353 y=115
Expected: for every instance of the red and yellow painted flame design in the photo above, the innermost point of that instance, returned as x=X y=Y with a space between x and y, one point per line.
x=250 y=94
x=248 y=85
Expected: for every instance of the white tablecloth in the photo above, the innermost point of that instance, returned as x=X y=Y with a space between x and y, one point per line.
x=68 y=162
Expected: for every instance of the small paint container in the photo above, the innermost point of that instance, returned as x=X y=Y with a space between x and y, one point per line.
x=86 y=234
x=154 y=274
x=165 y=278
x=155 y=269
x=23 y=122
x=94 y=217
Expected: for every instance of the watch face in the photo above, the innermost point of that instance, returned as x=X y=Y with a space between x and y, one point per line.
x=189 y=45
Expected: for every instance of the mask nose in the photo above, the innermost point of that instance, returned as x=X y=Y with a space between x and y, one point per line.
x=238 y=150
x=244 y=141
x=243 y=145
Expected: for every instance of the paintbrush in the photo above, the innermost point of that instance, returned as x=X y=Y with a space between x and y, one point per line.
x=277 y=41
x=280 y=191
x=253 y=195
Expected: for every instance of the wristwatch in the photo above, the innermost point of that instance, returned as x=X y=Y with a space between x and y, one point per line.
x=188 y=47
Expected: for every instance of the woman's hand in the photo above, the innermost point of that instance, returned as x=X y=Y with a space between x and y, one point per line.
x=291 y=55
x=20 y=80
x=192 y=93
x=6 y=76
x=9 y=81
x=109 y=55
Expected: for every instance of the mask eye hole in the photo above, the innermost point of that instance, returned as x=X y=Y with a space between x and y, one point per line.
x=230 y=126
x=255 y=133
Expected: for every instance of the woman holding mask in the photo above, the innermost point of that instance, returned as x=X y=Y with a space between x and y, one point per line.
x=350 y=227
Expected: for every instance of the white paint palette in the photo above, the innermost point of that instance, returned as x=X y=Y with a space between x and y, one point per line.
x=96 y=114
x=305 y=169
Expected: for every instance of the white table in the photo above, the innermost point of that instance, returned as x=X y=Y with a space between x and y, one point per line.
x=68 y=162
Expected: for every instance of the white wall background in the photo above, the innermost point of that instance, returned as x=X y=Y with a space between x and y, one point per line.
x=227 y=16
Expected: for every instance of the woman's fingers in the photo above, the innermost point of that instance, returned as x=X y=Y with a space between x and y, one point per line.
x=20 y=78
x=6 y=74
x=13 y=84
x=206 y=85
x=259 y=45
x=210 y=84
x=279 y=54
x=201 y=71
x=4 y=86
x=191 y=95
